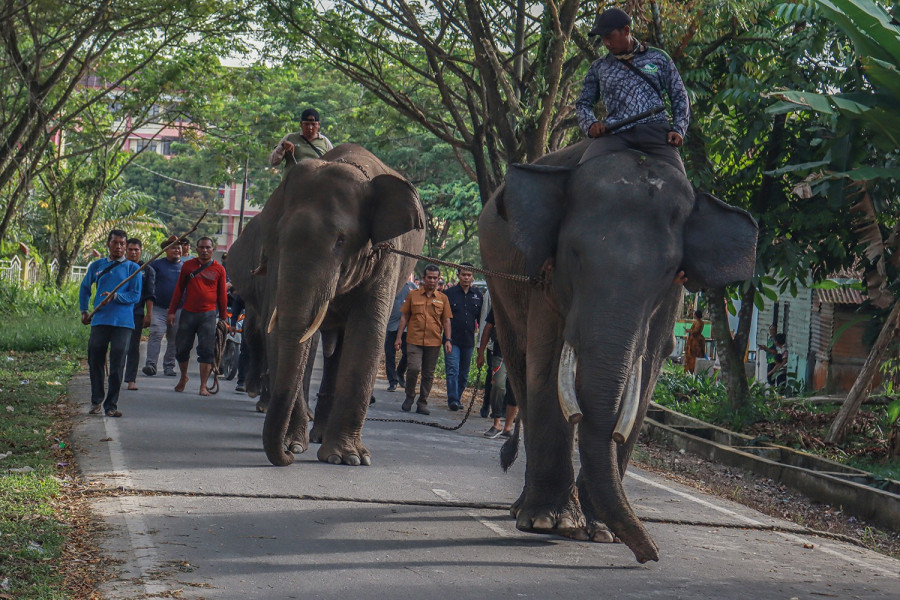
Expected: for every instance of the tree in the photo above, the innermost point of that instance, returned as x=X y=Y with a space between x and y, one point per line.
x=870 y=107
x=493 y=80
x=51 y=49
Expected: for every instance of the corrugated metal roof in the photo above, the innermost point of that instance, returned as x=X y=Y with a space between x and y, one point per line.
x=841 y=296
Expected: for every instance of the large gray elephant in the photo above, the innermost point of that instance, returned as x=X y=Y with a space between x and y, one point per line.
x=314 y=270
x=609 y=239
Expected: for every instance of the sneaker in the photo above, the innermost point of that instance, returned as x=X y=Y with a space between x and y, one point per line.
x=454 y=406
x=407 y=405
x=392 y=387
x=149 y=370
x=506 y=434
x=492 y=432
x=170 y=372
x=422 y=410
x=113 y=413
x=240 y=388
x=96 y=409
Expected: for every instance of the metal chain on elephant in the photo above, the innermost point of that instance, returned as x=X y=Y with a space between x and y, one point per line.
x=389 y=247
x=438 y=425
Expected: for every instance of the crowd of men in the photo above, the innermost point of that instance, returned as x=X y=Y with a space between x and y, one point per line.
x=181 y=298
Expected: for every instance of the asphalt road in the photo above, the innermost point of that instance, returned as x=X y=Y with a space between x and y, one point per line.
x=218 y=521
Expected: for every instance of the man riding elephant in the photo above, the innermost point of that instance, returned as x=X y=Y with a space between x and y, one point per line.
x=631 y=79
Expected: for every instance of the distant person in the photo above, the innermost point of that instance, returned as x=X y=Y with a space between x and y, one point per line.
x=426 y=312
x=185 y=249
x=167 y=270
x=306 y=143
x=501 y=401
x=777 y=373
x=695 y=345
x=769 y=349
x=142 y=311
x=112 y=324
x=396 y=372
x=465 y=304
x=202 y=284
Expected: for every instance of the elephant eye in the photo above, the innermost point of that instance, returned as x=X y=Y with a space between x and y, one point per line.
x=340 y=240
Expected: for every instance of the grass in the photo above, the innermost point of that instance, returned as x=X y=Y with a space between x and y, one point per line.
x=41 y=338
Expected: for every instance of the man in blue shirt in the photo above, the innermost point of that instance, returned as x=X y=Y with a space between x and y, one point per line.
x=167 y=270
x=112 y=324
x=465 y=303
x=631 y=79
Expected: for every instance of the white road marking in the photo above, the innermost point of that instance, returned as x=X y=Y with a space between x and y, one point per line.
x=145 y=555
x=445 y=495
x=789 y=536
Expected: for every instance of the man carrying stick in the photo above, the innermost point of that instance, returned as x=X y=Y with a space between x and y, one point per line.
x=111 y=322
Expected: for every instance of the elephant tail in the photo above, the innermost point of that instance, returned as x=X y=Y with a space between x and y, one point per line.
x=510 y=449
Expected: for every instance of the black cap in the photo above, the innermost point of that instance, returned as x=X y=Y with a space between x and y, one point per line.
x=310 y=114
x=610 y=20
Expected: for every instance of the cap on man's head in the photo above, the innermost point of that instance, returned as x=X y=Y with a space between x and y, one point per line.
x=610 y=20
x=167 y=241
x=310 y=114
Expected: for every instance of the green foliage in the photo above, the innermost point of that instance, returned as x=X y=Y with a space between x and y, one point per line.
x=40 y=318
x=704 y=397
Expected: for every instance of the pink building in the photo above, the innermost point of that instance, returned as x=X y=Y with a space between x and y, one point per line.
x=230 y=215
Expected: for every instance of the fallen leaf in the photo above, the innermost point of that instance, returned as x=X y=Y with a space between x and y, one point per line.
x=106 y=439
x=809 y=546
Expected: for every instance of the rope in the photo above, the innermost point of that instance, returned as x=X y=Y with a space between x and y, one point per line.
x=389 y=247
x=205 y=187
x=438 y=425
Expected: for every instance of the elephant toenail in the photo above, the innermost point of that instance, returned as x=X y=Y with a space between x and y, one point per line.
x=297 y=449
x=542 y=523
x=334 y=459
x=367 y=460
x=353 y=460
x=565 y=523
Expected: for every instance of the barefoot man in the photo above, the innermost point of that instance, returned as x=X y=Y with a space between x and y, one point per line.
x=202 y=283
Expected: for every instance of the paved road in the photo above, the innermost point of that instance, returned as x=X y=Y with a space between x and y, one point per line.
x=391 y=530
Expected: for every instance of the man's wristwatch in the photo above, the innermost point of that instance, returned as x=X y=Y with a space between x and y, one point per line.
x=446 y=340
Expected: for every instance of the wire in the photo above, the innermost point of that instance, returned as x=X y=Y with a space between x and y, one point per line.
x=205 y=187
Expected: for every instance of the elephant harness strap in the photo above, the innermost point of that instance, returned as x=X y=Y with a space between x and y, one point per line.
x=438 y=425
x=379 y=249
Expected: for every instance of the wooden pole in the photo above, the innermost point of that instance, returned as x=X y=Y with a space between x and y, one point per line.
x=858 y=392
x=144 y=266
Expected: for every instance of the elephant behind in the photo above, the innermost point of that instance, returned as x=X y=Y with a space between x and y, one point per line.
x=609 y=237
x=315 y=271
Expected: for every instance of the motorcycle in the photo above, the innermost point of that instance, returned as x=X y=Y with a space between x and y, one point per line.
x=228 y=365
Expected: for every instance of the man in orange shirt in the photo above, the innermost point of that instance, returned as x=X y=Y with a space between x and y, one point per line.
x=426 y=316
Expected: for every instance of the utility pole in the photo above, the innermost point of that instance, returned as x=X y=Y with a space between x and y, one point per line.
x=243 y=196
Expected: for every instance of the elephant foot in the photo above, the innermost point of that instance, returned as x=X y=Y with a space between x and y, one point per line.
x=596 y=531
x=297 y=442
x=261 y=406
x=536 y=514
x=346 y=453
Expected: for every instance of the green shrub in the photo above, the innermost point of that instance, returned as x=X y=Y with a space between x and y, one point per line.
x=38 y=299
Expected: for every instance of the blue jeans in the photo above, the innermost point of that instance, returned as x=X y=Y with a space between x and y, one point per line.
x=457 y=366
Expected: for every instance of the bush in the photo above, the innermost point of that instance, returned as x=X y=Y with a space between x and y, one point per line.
x=38 y=299
x=704 y=397
x=41 y=318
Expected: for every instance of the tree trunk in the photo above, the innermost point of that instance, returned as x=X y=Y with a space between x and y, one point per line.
x=864 y=380
x=731 y=350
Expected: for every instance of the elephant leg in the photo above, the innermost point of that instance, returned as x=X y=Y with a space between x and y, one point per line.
x=549 y=502
x=361 y=346
x=326 y=391
x=595 y=530
x=297 y=438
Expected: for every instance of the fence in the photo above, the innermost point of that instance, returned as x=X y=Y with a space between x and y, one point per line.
x=28 y=271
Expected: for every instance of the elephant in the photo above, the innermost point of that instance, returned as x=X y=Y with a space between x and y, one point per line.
x=317 y=269
x=606 y=245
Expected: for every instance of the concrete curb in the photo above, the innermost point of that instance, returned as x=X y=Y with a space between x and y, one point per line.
x=817 y=478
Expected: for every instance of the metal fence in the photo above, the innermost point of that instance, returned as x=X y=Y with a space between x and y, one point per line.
x=27 y=271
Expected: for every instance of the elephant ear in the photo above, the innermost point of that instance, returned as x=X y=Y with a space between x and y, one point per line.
x=533 y=202
x=719 y=244
x=397 y=208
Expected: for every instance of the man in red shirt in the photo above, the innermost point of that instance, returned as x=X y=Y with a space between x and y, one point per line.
x=202 y=283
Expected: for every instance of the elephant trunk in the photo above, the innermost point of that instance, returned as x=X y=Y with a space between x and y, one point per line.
x=283 y=400
x=599 y=396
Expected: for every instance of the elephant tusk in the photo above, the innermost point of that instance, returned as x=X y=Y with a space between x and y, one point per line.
x=316 y=323
x=272 y=320
x=630 y=401
x=565 y=383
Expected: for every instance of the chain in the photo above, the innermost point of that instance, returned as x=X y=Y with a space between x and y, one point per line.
x=389 y=247
x=438 y=425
